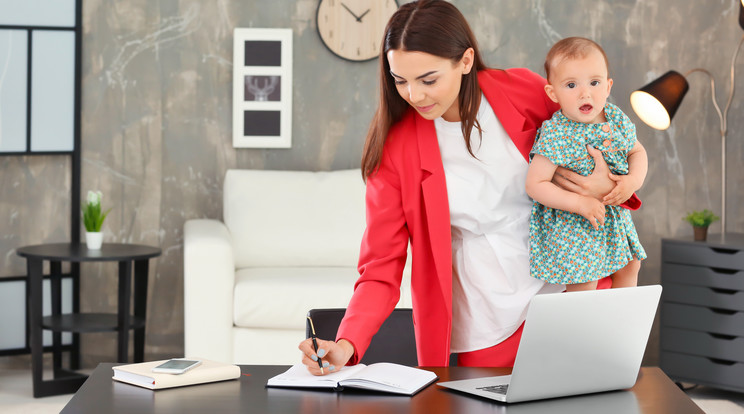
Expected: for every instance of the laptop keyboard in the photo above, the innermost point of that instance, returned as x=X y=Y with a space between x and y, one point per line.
x=496 y=389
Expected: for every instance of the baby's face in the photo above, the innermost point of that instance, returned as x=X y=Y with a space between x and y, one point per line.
x=580 y=87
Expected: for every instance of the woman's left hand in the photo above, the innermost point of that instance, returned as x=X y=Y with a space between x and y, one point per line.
x=622 y=192
x=596 y=185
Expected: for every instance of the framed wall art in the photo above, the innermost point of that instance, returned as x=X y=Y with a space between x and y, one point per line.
x=262 y=88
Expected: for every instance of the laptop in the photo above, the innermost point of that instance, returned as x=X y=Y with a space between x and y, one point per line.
x=575 y=343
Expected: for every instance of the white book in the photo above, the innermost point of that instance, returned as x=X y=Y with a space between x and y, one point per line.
x=141 y=374
x=382 y=376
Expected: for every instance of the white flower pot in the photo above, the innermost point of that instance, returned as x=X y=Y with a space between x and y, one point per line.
x=94 y=240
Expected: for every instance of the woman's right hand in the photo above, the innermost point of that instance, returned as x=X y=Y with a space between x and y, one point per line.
x=596 y=185
x=333 y=355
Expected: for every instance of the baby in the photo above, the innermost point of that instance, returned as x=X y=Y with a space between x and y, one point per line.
x=574 y=239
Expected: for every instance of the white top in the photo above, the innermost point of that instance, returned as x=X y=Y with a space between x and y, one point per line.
x=489 y=217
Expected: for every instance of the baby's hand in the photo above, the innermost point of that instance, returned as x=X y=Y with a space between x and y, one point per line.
x=593 y=210
x=624 y=188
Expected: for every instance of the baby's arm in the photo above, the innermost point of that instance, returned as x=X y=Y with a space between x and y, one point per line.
x=630 y=183
x=542 y=190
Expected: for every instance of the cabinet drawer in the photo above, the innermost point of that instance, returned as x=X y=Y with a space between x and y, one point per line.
x=702 y=255
x=704 y=296
x=702 y=319
x=727 y=374
x=703 y=276
x=726 y=347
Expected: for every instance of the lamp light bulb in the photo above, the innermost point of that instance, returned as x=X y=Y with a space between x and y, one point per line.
x=650 y=110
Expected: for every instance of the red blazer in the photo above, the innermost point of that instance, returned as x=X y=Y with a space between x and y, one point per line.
x=407 y=201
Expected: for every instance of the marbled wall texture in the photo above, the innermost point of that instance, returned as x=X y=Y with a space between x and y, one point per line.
x=157 y=138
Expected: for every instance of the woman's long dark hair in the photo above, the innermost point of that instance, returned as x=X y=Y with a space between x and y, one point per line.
x=435 y=27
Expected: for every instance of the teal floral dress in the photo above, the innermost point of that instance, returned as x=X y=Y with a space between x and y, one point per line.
x=564 y=247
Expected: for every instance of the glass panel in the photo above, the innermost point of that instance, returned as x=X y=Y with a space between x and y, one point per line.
x=13 y=83
x=13 y=312
x=52 y=90
x=38 y=12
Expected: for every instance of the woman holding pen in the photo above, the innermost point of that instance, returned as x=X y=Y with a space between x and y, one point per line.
x=445 y=163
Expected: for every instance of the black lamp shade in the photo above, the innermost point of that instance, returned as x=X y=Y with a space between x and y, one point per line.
x=741 y=15
x=657 y=102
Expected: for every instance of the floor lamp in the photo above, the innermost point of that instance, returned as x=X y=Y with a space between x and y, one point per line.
x=657 y=102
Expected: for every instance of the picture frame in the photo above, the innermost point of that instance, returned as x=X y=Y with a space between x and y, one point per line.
x=262 y=88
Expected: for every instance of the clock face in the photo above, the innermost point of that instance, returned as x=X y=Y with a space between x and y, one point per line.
x=353 y=29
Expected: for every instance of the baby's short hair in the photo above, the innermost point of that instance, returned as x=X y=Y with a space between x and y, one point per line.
x=573 y=48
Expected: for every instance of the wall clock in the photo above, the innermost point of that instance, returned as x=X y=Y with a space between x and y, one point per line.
x=353 y=29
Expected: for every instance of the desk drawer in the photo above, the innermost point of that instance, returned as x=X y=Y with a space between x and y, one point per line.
x=728 y=374
x=703 y=276
x=702 y=319
x=702 y=255
x=704 y=296
x=726 y=347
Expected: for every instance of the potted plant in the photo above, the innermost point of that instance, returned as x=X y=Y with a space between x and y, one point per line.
x=700 y=221
x=93 y=219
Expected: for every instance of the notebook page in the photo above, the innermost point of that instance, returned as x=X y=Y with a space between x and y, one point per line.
x=390 y=377
x=299 y=376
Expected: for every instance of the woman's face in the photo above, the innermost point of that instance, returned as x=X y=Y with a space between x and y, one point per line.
x=429 y=83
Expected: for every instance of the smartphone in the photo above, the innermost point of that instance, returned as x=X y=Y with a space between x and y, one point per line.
x=176 y=366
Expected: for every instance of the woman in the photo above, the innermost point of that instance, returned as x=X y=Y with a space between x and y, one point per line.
x=445 y=169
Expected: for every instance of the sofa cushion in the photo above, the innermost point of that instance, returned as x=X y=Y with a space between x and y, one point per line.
x=260 y=346
x=294 y=218
x=279 y=297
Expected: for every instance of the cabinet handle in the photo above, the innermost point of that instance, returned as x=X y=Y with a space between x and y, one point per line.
x=722 y=336
x=724 y=291
x=724 y=251
x=722 y=311
x=721 y=361
x=724 y=271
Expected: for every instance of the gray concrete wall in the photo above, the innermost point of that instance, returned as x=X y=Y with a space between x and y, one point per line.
x=157 y=131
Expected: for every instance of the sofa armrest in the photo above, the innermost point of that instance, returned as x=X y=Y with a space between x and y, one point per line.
x=209 y=281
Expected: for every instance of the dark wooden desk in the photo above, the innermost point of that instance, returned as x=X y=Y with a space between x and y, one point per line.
x=130 y=257
x=653 y=393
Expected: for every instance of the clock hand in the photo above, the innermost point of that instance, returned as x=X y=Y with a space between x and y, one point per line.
x=363 y=14
x=352 y=13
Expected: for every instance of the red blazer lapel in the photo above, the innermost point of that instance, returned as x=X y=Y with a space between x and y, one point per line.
x=436 y=204
x=512 y=120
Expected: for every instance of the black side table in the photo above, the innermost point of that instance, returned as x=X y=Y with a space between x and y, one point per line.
x=129 y=256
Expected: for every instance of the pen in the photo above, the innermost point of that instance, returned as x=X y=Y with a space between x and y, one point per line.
x=315 y=344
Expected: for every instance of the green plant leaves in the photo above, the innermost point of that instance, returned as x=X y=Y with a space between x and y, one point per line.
x=701 y=218
x=92 y=216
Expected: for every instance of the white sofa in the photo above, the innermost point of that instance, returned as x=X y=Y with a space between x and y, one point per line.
x=289 y=242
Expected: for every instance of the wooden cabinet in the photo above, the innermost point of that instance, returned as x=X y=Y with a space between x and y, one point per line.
x=702 y=311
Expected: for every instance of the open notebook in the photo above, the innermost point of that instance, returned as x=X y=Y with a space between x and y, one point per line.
x=382 y=376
